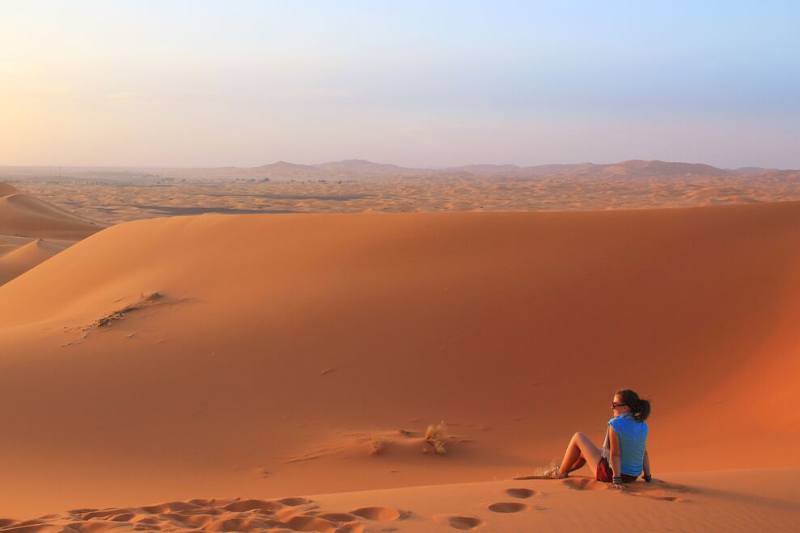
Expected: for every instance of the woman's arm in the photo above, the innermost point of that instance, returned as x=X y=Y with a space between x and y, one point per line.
x=646 y=466
x=615 y=456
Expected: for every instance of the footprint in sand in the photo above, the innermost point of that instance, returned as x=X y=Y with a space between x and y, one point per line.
x=463 y=522
x=199 y=521
x=350 y=528
x=507 y=507
x=223 y=524
x=293 y=502
x=339 y=517
x=250 y=505
x=169 y=507
x=310 y=523
x=579 y=484
x=379 y=514
x=520 y=493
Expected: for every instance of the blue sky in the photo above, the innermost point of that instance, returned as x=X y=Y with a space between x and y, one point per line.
x=415 y=83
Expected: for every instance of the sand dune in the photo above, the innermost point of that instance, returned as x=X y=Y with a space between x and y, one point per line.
x=23 y=258
x=24 y=215
x=32 y=230
x=9 y=243
x=265 y=356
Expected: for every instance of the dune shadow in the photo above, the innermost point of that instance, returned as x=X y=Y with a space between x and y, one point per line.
x=676 y=492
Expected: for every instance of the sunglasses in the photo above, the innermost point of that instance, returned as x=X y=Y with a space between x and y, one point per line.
x=615 y=405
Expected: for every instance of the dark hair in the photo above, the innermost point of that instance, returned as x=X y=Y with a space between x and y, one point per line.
x=639 y=408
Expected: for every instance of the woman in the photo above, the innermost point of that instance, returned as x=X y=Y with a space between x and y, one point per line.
x=624 y=454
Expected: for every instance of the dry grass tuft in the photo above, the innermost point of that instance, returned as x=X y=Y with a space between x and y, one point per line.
x=144 y=301
x=435 y=436
x=376 y=446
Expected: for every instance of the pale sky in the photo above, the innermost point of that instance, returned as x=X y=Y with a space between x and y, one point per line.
x=436 y=83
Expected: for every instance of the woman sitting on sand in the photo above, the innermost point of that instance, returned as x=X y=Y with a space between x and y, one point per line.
x=624 y=454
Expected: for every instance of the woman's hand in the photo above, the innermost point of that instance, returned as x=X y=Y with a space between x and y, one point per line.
x=646 y=467
x=616 y=483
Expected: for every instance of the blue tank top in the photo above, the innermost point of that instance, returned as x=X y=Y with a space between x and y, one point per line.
x=632 y=437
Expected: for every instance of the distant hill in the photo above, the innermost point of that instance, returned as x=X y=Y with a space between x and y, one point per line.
x=363 y=170
x=359 y=169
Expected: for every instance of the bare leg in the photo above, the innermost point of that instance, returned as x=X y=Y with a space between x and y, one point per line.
x=577 y=464
x=581 y=450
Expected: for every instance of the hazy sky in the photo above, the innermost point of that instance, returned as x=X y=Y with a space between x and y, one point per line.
x=234 y=82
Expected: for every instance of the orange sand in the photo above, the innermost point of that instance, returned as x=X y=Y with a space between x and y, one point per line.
x=26 y=256
x=271 y=356
x=722 y=501
x=32 y=230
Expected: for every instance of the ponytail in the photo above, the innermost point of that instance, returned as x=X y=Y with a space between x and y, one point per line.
x=640 y=409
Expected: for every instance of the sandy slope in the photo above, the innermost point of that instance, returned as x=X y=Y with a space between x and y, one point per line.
x=265 y=356
x=723 y=501
x=28 y=255
x=21 y=214
x=32 y=230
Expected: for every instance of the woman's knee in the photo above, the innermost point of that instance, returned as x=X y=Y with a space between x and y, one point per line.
x=581 y=440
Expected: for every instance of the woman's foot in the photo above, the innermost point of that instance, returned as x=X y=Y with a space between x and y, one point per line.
x=554 y=472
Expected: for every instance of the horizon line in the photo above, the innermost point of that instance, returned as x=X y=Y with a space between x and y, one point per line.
x=372 y=162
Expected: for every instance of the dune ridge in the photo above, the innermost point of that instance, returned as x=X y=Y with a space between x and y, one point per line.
x=306 y=354
x=24 y=215
x=32 y=230
x=23 y=258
